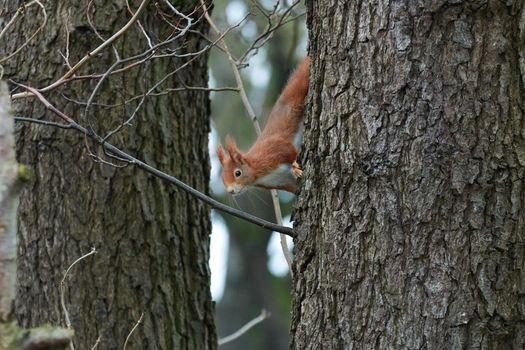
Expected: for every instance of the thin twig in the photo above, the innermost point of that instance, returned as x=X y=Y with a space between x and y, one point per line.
x=161 y=93
x=90 y=21
x=96 y=343
x=159 y=83
x=135 y=61
x=43 y=122
x=93 y=94
x=108 y=42
x=189 y=22
x=269 y=30
x=46 y=103
x=63 y=284
x=70 y=73
x=263 y=316
x=63 y=291
x=39 y=29
x=148 y=39
x=93 y=251
x=235 y=69
x=68 y=35
x=198 y=88
x=132 y=330
x=18 y=12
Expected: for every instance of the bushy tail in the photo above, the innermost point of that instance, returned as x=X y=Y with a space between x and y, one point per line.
x=297 y=86
x=287 y=113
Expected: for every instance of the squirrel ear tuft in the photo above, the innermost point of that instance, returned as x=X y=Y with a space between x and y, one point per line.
x=234 y=153
x=220 y=154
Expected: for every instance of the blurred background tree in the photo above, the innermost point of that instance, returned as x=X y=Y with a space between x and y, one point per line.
x=254 y=270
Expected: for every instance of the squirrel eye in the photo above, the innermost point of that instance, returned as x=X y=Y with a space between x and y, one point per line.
x=237 y=172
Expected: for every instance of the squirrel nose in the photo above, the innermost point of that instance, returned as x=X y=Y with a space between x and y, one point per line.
x=230 y=189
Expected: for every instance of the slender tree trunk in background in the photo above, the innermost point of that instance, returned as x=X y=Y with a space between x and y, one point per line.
x=151 y=240
x=249 y=282
x=411 y=215
x=250 y=286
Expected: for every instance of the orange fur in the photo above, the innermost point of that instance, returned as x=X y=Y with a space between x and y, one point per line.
x=275 y=144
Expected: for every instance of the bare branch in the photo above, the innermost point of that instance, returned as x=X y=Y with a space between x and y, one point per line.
x=282 y=238
x=93 y=251
x=161 y=93
x=46 y=103
x=189 y=22
x=39 y=29
x=132 y=330
x=43 y=122
x=69 y=74
x=68 y=35
x=94 y=92
x=198 y=88
x=108 y=42
x=269 y=30
x=18 y=12
x=148 y=39
x=159 y=83
x=90 y=20
x=135 y=60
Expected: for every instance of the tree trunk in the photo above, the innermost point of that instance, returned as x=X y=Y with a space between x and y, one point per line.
x=151 y=240
x=250 y=287
x=410 y=221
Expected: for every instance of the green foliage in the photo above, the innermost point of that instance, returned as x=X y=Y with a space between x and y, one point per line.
x=24 y=172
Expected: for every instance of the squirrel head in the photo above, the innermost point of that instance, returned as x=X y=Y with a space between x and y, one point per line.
x=237 y=174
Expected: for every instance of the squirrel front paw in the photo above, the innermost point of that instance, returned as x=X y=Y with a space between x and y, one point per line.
x=296 y=170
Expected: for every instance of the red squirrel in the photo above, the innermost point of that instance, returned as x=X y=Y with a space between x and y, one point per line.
x=271 y=162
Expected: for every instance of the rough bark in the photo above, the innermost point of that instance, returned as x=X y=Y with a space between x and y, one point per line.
x=151 y=240
x=12 y=175
x=411 y=215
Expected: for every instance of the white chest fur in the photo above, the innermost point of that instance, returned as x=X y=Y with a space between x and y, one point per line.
x=281 y=176
x=298 y=138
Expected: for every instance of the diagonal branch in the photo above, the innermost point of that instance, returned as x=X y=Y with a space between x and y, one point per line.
x=163 y=176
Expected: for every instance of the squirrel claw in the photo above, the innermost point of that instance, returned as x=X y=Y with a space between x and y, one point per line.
x=296 y=170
